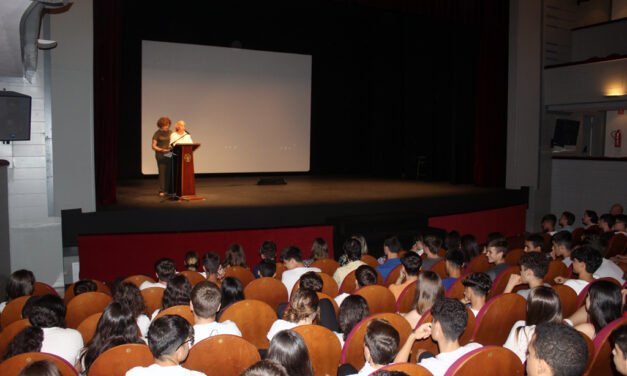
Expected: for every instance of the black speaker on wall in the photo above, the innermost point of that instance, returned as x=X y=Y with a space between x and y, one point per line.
x=14 y=116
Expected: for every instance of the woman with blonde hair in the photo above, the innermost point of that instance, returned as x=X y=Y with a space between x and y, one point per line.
x=428 y=290
x=303 y=310
x=235 y=256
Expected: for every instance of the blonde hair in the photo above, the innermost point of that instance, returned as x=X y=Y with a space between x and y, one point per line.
x=428 y=290
x=303 y=305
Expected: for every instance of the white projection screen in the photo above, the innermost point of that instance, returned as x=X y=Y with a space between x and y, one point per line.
x=249 y=110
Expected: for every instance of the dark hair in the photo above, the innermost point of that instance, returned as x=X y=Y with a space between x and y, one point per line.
x=47 y=311
x=469 y=247
x=232 y=291
x=455 y=257
x=268 y=250
x=352 y=249
x=452 y=240
x=428 y=289
x=291 y=253
x=177 y=292
x=382 y=340
x=167 y=333
x=366 y=275
x=28 y=339
x=500 y=245
x=620 y=218
x=116 y=327
x=589 y=256
x=563 y=238
x=267 y=268
x=128 y=295
x=543 y=305
x=191 y=261
x=561 y=347
x=319 y=249
x=412 y=263
x=352 y=310
x=362 y=241
x=311 y=281
x=83 y=286
x=165 y=269
x=21 y=283
x=288 y=349
x=40 y=368
x=570 y=217
x=452 y=316
x=163 y=121
x=619 y=338
x=206 y=299
x=608 y=218
x=536 y=262
x=385 y=372
x=606 y=304
x=433 y=243
x=536 y=239
x=211 y=262
x=480 y=283
x=594 y=218
x=549 y=218
x=235 y=256
x=303 y=304
x=495 y=236
x=265 y=368
x=393 y=244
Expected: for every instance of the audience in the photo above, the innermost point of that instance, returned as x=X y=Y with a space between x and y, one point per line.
x=302 y=310
x=586 y=261
x=454 y=267
x=476 y=287
x=556 y=350
x=352 y=255
x=190 y=262
x=391 y=248
x=327 y=317
x=177 y=293
x=212 y=268
x=235 y=256
x=164 y=270
x=533 y=268
x=604 y=304
x=204 y=304
x=294 y=267
x=433 y=243
x=567 y=219
x=428 y=290
x=562 y=246
x=169 y=338
x=232 y=291
x=470 y=247
x=589 y=218
x=496 y=251
x=449 y=322
x=365 y=275
x=352 y=310
x=411 y=264
x=83 y=286
x=548 y=224
x=288 y=349
x=21 y=283
x=380 y=346
x=534 y=243
x=619 y=350
x=543 y=306
x=267 y=252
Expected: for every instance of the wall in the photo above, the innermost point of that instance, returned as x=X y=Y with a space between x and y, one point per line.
x=587 y=184
x=619 y=9
x=615 y=121
x=599 y=41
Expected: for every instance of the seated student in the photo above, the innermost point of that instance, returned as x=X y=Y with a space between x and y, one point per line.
x=40 y=368
x=48 y=313
x=165 y=269
x=589 y=218
x=319 y=251
x=608 y=268
x=365 y=275
x=343 y=260
x=176 y=293
x=212 y=268
x=265 y=368
x=391 y=248
x=604 y=304
x=418 y=245
x=567 y=220
x=562 y=246
x=586 y=261
x=534 y=243
x=169 y=338
x=205 y=304
x=26 y=340
x=352 y=253
x=21 y=283
x=380 y=346
x=469 y=247
x=548 y=224
x=452 y=240
x=616 y=209
x=232 y=291
x=327 y=318
x=294 y=267
x=496 y=251
x=83 y=286
x=302 y=310
x=476 y=287
x=128 y=295
x=409 y=273
x=235 y=256
x=619 y=351
x=543 y=305
x=288 y=349
x=428 y=290
x=352 y=310
x=266 y=268
x=449 y=322
x=267 y=252
x=191 y=261
x=454 y=266
x=606 y=222
x=533 y=268
x=433 y=243
x=556 y=349
x=619 y=224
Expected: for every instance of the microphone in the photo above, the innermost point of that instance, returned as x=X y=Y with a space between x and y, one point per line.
x=186 y=131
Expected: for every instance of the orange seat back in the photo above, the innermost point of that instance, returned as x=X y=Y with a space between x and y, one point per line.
x=253 y=318
x=439 y=268
x=513 y=256
x=85 y=305
x=100 y=287
x=500 y=282
x=380 y=299
x=192 y=276
x=601 y=362
x=496 y=318
x=616 y=246
x=40 y=288
x=138 y=279
x=491 y=360
x=7 y=334
x=412 y=369
x=456 y=291
x=153 y=296
x=268 y=290
x=327 y=265
x=478 y=264
x=119 y=359
x=224 y=355
x=405 y=301
x=87 y=327
x=13 y=311
x=180 y=310
x=556 y=269
x=370 y=260
x=323 y=347
x=243 y=274
x=393 y=275
x=568 y=299
x=15 y=364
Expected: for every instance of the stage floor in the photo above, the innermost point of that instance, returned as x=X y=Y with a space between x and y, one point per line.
x=236 y=203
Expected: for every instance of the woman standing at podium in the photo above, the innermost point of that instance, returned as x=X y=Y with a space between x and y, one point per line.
x=180 y=135
x=161 y=146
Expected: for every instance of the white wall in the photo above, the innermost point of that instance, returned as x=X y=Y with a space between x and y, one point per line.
x=615 y=121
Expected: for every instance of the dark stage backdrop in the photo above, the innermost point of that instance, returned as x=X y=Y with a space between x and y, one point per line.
x=393 y=82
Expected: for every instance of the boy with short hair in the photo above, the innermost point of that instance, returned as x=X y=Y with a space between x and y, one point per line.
x=432 y=243
x=267 y=252
x=165 y=268
x=586 y=261
x=496 y=251
x=534 y=243
x=533 y=268
x=411 y=268
x=556 y=349
x=567 y=219
x=294 y=267
x=619 y=351
x=380 y=346
x=548 y=224
x=476 y=287
x=204 y=304
x=391 y=248
x=454 y=264
x=562 y=245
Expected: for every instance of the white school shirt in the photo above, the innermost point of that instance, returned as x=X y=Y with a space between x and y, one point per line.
x=148 y=284
x=279 y=325
x=157 y=370
x=439 y=364
x=66 y=343
x=519 y=343
x=203 y=331
x=290 y=277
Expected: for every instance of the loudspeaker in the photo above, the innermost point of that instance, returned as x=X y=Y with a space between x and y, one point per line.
x=14 y=116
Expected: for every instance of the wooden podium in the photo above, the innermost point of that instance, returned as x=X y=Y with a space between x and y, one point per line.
x=184 y=181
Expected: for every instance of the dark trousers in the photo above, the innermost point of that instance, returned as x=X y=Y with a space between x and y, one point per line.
x=163 y=165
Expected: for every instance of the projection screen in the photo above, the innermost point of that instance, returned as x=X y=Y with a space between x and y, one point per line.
x=249 y=110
